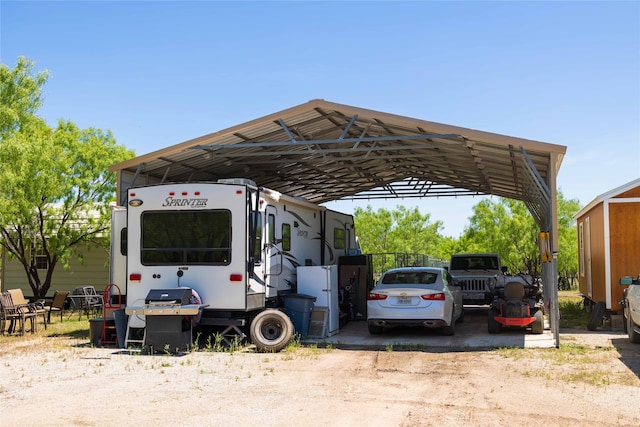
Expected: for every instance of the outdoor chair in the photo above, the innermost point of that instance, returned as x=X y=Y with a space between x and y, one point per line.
x=94 y=299
x=86 y=299
x=4 y=318
x=38 y=307
x=16 y=313
x=57 y=304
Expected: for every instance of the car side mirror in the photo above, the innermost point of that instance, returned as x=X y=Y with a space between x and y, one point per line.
x=628 y=280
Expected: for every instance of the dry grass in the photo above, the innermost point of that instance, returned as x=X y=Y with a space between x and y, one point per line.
x=572 y=312
x=573 y=363
x=58 y=335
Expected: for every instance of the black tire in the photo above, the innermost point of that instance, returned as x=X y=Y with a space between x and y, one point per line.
x=493 y=326
x=625 y=326
x=595 y=319
x=537 y=327
x=461 y=318
x=374 y=329
x=451 y=329
x=271 y=330
x=634 y=337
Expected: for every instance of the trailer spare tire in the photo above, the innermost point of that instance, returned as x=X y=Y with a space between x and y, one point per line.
x=596 y=316
x=271 y=330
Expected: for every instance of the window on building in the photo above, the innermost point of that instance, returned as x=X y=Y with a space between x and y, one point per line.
x=41 y=260
x=581 y=247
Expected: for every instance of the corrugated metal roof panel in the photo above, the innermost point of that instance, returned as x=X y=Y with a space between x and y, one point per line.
x=325 y=151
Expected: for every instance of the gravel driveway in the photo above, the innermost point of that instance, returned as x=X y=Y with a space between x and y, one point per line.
x=592 y=381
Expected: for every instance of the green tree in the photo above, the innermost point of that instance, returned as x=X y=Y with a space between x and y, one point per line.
x=401 y=231
x=373 y=229
x=20 y=95
x=567 y=237
x=414 y=232
x=506 y=227
x=56 y=187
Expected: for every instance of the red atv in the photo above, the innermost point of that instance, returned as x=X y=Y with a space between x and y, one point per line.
x=517 y=304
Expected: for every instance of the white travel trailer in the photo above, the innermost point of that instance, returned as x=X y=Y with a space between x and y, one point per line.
x=236 y=244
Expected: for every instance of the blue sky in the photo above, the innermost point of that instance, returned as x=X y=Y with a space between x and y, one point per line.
x=160 y=73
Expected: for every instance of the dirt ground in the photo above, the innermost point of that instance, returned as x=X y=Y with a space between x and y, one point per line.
x=593 y=380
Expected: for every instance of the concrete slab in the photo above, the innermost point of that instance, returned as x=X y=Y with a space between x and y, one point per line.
x=471 y=334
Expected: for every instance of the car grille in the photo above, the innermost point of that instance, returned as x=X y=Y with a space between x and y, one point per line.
x=474 y=284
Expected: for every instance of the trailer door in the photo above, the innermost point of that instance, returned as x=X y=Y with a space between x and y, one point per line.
x=272 y=253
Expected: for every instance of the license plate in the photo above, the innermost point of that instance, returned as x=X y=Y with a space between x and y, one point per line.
x=404 y=300
x=475 y=295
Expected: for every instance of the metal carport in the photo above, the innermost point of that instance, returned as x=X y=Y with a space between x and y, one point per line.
x=324 y=151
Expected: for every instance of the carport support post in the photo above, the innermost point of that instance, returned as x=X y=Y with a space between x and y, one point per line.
x=554 y=310
x=550 y=269
x=550 y=291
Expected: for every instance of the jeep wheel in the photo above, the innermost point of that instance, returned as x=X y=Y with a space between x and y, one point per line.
x=493 y=325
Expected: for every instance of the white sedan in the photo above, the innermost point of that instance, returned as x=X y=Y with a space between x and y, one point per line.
x=414 y=296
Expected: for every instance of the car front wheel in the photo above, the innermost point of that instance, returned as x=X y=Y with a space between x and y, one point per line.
x=634 y=337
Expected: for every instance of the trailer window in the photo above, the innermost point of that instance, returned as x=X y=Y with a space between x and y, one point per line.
x=272 y=228
x=186 y=238
x=123 y=241
x=339 y=238
x=256 y=218
x=286 y=237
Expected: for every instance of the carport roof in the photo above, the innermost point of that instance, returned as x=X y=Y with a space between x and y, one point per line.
x=325 y=151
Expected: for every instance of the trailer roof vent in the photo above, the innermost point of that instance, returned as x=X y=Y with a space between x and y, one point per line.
x=240 y=181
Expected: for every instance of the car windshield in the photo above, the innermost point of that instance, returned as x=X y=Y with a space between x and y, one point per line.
x=409 y=278
x=477 y=263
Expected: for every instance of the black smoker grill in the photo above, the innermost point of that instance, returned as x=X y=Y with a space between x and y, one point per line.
x=177 y=296
x=168 y=322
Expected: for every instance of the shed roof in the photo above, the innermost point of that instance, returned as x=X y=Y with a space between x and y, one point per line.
x=608 y=195
x=324 y=151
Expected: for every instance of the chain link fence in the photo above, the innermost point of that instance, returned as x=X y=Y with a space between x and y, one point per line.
x=385 y=261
